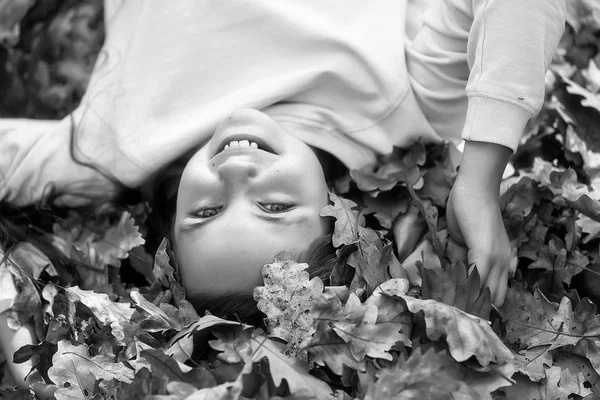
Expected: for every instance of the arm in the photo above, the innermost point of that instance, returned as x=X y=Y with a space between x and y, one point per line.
x=474 y=216
x=484 y=60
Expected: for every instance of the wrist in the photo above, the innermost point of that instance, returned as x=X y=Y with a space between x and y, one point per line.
x=482 y=165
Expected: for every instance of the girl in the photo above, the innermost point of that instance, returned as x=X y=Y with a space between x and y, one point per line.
x=352 y=79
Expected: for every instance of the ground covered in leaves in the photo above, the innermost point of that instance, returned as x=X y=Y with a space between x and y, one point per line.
x=114 y=323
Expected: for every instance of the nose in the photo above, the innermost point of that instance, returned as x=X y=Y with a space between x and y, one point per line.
x=236 y=170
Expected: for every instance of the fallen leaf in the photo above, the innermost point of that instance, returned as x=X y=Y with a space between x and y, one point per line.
x=169 y=370
x=154 y=318
x=116 y=315
x=118 y=240
x=365 y=335
x=386 y=207
x=432 y=375
x=466 y=335
x=286 y=298
x=532 y=320
x=347 y=220
x=76 y=374
x=452 y=286
x=547 y=389
x=533 y=362
x=293 y=370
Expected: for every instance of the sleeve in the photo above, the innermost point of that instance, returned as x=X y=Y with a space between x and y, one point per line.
x=477 y=67
x=36 y=157
x=36 y=160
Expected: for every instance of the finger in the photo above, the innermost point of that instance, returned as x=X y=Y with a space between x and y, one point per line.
x=501 y=286
x=481 y=262
x=456 y=252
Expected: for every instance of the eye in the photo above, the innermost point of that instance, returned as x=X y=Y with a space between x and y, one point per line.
x=276 y=207
x=206 y=212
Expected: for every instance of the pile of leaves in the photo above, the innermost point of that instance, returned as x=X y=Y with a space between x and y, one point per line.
x=399 y=320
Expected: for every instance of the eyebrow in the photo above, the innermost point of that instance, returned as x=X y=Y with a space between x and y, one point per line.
x=276 y=218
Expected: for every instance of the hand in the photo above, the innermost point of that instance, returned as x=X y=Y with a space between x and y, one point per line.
x=474 y=216
x=479 y=237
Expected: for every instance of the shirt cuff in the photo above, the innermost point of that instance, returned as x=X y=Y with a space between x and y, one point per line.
x=495 y=121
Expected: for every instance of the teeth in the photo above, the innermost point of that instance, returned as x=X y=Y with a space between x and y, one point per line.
x=234 y=144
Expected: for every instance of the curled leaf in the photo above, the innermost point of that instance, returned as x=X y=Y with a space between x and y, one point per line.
x=347 y=220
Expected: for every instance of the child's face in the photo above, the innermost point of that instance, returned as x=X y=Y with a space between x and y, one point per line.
x=238 y=205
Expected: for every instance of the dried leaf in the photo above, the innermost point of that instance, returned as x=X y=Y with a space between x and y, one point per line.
x=116 y=315
x=76 y=374
x=163 y=271
x=281 y=366
x=386 y=207
x=452 y=286
x=365 y=335
x=422 y=376
x=547 y=389
x=532 y=320
x=118 y=240
x=287 y=298
x=169 y=370
x=466 y=335
x=155 y=319
x=533 y=362
x=371 y=260
x=347 y=220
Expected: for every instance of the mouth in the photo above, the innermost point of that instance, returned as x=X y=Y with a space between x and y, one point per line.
x=244 y=143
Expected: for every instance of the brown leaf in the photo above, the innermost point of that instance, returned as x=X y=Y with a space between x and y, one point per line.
x=466 y=335
x=286 y=298
x=76 y=373
x=532 y=320
x=259 y=346
x=116 y=315
x=452 y=286
x=533 y=362
x=347 y=220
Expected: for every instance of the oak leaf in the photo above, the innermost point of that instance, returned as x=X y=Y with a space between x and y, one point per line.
x=111 y=313
x=155 y=319
x=281 y=366
x=76 y=373
x=286 y=298
x=454 y=287
x=466 y=335
x=347 y=220
x=532 y=320
x=118 y=240
x=533 y=362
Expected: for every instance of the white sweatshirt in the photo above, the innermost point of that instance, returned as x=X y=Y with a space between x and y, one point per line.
x=352 y=77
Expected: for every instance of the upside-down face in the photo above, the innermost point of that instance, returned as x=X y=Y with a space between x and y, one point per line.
x=251 y=191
